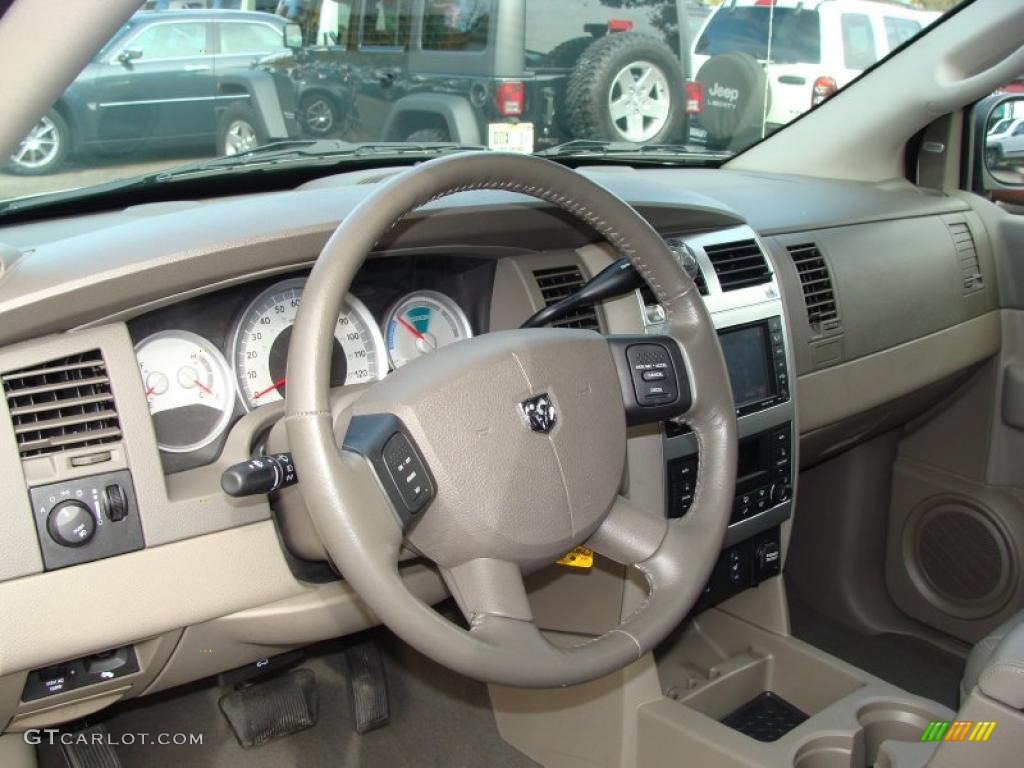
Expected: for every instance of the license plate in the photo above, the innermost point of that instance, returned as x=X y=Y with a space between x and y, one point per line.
x=510 y=137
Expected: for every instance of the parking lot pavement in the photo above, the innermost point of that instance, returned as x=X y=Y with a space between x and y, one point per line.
x=87 y=171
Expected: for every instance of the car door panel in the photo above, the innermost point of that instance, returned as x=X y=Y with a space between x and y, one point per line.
x=165 y=94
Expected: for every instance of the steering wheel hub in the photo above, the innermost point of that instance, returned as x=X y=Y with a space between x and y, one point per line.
x=505 y=489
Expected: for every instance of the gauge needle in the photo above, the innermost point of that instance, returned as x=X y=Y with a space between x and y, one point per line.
x=150 y=390
x=279 y=383
x=412 y=330
x=203 y=387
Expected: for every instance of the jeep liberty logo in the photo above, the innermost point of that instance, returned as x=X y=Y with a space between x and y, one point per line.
x=720 y=96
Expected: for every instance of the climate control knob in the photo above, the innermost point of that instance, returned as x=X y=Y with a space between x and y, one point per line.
x=71 y=523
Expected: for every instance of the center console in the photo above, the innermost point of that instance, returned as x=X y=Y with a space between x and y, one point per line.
x=742 y=295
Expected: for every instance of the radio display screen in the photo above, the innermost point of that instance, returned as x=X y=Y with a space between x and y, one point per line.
x=746 y=356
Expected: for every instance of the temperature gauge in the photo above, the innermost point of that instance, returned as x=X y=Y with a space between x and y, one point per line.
x=420 y=323
x=188 y=387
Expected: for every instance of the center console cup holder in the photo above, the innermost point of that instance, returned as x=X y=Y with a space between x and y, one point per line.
x=879 y=721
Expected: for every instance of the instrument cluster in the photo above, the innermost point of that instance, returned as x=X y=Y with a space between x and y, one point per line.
x=196 y=389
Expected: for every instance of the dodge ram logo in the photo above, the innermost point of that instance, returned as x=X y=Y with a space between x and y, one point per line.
x=539 y=413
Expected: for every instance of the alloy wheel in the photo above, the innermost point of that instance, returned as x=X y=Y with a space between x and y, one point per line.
x=639 y=101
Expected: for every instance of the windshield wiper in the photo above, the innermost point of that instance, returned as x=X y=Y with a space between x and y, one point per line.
x=279 y=155
x=624 y=150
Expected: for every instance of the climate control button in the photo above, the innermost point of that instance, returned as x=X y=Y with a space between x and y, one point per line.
x=71 y=523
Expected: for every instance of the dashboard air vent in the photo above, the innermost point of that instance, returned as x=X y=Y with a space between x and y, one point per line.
x=558 y=282
x=739 y=265
x=816 y=283
x=62 y=404
x=967 y=255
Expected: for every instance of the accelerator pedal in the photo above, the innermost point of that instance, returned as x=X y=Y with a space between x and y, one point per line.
x=368 y=686
x=279 y=706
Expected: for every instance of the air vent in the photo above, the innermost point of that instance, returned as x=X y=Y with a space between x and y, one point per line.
x=816 y=283
x=557 y=283
x=739 y=265
x=967 y=255
x=62 y=404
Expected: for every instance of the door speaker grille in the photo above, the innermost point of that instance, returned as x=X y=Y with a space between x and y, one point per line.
x=961 y=556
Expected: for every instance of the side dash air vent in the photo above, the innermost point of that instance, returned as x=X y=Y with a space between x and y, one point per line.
x=739 y=265
x=62 y=404
x=558 y=282
x=967 y=256
x=816 y=283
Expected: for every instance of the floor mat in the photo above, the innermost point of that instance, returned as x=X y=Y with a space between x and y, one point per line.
x=907 y=662
x=438 y=718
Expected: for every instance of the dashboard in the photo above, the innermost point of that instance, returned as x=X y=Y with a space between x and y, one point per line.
x=207 y=361
x=169 y=325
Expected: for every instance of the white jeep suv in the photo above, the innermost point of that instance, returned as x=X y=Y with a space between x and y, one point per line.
x=762 y=63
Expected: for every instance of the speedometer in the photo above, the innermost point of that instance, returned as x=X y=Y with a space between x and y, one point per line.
x=260 y=345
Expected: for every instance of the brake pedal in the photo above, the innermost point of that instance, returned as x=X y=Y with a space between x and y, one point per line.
x=279 y=706
x=368 y=686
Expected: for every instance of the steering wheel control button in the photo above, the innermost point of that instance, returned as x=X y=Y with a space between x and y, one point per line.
x=406 y=471
x=383 y=440
x=71 y=524
x=259 y=476
x=652 y=376
x=85 y=519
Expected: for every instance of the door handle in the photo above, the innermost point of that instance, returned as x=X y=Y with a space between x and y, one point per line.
x=197 y=67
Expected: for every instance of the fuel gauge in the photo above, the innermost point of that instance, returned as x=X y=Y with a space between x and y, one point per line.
x=188 y=387
x=420 y=323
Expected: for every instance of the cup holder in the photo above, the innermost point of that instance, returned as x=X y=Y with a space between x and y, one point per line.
x=888 y=720
x=879 y=722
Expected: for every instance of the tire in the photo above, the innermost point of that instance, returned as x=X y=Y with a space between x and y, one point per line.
x=605 y=98
x=567 y=54
x=428 y=136
x=52 y=138
x=734 y=100
x=318 y=115
x=993 y=157
x=239 y=129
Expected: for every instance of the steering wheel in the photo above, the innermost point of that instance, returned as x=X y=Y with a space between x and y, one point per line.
x=497 y=455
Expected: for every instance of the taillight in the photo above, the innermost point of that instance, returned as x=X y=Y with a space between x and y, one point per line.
x=619 y=25
x=694 y=97
x=824 y=87
x=510 y=98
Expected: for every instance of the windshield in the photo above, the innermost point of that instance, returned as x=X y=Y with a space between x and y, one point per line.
x=205 y=84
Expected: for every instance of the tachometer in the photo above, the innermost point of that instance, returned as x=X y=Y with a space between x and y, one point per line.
x=188 y=387
x=260 y=345
x=420 y=323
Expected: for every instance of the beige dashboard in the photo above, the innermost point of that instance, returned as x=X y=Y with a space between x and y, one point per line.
x=213 y=587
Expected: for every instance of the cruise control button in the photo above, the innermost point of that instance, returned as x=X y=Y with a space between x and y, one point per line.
x=653 y=375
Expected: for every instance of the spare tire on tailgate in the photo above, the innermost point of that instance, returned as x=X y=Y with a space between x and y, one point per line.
x=627 y=86
x=734 y=99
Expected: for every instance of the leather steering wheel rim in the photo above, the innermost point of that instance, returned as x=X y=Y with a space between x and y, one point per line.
x=358 y=524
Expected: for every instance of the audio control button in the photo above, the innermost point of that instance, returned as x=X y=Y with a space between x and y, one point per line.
x=71 y=523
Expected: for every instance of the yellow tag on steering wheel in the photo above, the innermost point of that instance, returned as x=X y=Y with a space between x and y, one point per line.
x=580 y=557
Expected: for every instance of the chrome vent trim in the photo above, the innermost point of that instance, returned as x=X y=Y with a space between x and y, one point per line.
x=816 y=284
x=555 y=284
x=967 y=257
x=739 y=264
x=62 y=404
